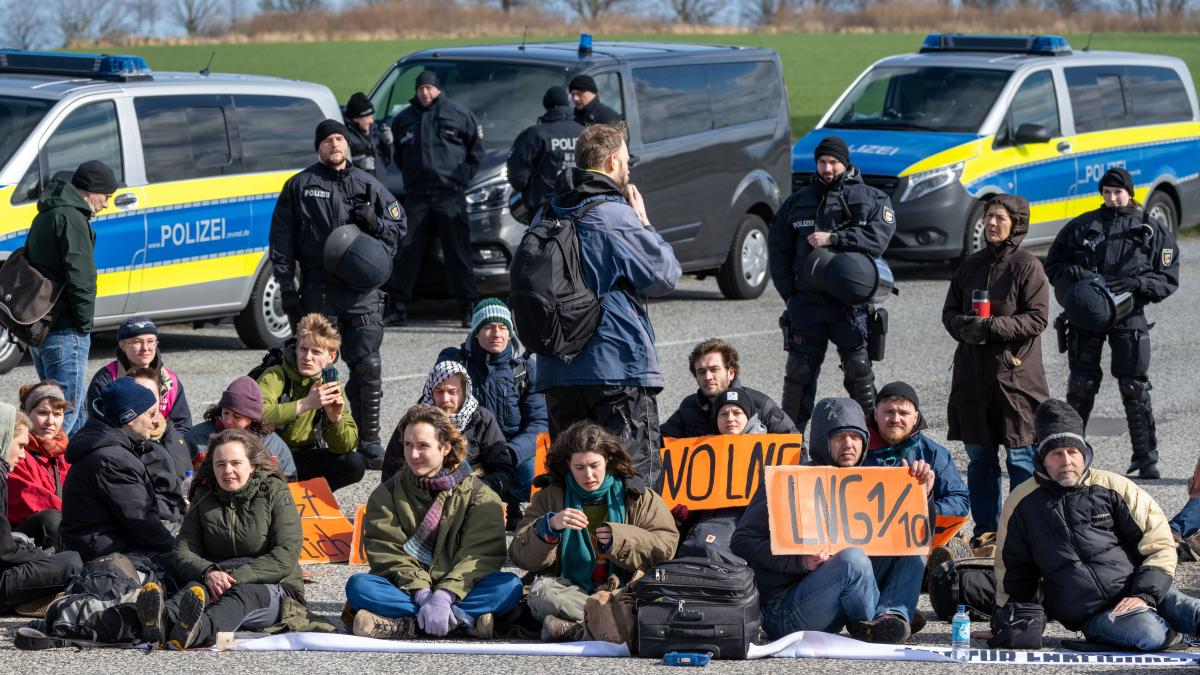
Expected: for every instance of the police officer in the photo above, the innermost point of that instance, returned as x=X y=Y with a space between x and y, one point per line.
x=439 y=145
x=839 y=211
x=543 y=150
x=311 y=205
x=1135 y=252
x=588 y=108
x=370 y=143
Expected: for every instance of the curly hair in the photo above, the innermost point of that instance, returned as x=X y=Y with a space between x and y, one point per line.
x=443 y=428
x=587 y=436
x=726 y=350
x=258 y=427
x=260 y=458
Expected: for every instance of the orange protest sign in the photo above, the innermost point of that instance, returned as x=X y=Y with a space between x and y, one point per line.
x=358 y=548
x=326 y=540
x=945 y=527
x=715 y=472
x=314 y=499
x=881 y=511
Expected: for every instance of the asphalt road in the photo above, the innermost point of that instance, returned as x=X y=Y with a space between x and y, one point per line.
x=919 y=352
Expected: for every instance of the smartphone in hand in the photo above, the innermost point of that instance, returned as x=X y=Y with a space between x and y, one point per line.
x=329 y=374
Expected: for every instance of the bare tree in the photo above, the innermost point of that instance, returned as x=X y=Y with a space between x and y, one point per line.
x=590 y=10
x=694 y=11
x=195 y=16
x=145 y=15
x=23 y=24
x=761 y=12
x=290 y=6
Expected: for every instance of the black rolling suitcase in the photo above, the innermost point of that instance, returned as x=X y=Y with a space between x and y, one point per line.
x=698 y=605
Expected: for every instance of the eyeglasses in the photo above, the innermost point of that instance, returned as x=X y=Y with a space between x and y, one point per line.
x=142 y=344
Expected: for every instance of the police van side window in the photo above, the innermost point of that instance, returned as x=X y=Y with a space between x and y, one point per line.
x=276 y=131
x=89 y=132
x=1034 y=103
x=1157 y=95
x=672 y=101
x=743 y=92
x=609 y=86
x=1097 y=98
x=185 y=137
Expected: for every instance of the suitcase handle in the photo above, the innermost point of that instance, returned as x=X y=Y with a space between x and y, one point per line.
x=690 y=615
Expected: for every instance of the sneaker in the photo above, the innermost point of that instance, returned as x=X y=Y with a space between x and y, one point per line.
x=889 y=629
x=555 y=629
x=485 y=627
x=191 y=617
x=370 y=624
x=149 y=607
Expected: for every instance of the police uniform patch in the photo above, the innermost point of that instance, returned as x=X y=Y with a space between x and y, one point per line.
x=889 y=216
x=710 y=539
x=393 y=210
x=1168 y=256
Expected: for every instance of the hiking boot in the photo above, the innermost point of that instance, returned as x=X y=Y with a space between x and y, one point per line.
x=370 y=624
x=1192 y=542
x=918 y=622
x=347 y=616
x=889 y=629
x=191 y=617
x=485 y=627
x=984 y=546
x=555 y=629
x=149 y=606
x=860 y=630
x=938 y=556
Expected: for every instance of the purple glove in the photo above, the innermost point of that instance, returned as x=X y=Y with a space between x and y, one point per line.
x=435 y=617
x=421 y=596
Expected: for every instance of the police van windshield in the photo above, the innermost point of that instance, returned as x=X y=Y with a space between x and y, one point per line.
x=506 y=97
x=921 y=98
x=18 y=117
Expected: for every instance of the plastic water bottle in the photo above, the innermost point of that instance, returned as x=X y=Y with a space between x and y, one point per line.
x=960 y=635
x=185 y=485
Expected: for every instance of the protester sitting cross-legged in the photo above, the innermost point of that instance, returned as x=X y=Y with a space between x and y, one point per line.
x=237 y=556
x=27 y=571
x=35 y=484
x=434 y=541
x=241 y=407
x=309 y=414
x=138 y=347
x=448 y=388
x=819 y=592
x=594 y=525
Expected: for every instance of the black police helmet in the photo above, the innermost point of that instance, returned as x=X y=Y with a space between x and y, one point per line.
x=1091 y=306
x=357 y=260
x=851 y=277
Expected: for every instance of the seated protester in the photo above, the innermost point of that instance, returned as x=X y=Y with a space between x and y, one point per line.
x=167 y=458
x=237 y=556
x=448 y=388
x=109 y=504
x=310 y=415
x=27 y=571
x=432 y=541
x=1185 y=525
x=812 y=592
x=137 y=347
x=35 y=484
x=896 y=439
x=714 y=364
x=1109 y=571
x=500 y=378
x=241 y=407
x=594 y=524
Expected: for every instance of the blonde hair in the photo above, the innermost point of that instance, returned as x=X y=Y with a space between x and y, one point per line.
x=22 y=422
x=316 y=327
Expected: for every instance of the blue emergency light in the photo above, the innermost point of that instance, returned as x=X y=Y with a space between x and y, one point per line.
x=585 y=45
x=1044 y=45
x=91 y=66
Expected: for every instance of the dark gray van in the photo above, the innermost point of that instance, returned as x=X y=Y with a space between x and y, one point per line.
x=709 y=139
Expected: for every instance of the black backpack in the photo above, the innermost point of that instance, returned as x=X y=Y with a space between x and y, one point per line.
x=698 y=605
x=28 y=299
x=554 y=309
x=967 y=581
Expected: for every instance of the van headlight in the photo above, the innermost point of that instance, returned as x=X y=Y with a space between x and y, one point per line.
x=488 y=196
x=921 y=184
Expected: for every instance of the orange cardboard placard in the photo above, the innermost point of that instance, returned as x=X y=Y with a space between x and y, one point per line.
x=945 y=527
x=358 y=548
x=881 y=511
x=314 y=499
x=326 y=540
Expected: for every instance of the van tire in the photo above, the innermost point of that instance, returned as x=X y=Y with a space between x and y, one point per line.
x=1161 y=205
x=262 y=324
x=974 y=235
x=747 y=268
x=11 y=353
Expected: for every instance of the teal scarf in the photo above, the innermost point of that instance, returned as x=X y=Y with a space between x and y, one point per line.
x=577 y=558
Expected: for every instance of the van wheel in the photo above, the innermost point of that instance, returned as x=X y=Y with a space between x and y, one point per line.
x=11 y=352
x=744 y=274
x=975 y=237
x=262 y=324
x=1160 y=206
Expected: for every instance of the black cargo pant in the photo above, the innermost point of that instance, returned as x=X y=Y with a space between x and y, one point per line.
x=242 y=607
x=811 y=327
x=628 y=412
x=37 y=578
x=442 y=214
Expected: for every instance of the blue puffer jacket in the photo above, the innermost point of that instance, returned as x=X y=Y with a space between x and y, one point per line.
x=521 y=418
x=618 y=255
x=949 y=492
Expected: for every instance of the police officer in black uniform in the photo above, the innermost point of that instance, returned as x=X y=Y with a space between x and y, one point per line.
x=1134 y=252
x=370 y=143
x=311 y=205
x=439 y=145
x=588 y=108
x=542 y=151
x=841 y=212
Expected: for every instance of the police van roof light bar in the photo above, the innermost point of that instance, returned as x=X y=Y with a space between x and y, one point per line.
x=91 y=66
x=1045 y=45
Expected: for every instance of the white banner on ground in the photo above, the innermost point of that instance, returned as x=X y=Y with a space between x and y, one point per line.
x=811 y=644
x=330 y=642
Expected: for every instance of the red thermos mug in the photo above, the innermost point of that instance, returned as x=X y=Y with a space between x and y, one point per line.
x=981 y=302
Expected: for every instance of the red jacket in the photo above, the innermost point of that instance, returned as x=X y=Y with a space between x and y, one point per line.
x=32 y=486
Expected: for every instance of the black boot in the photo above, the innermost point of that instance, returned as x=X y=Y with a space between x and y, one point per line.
x=859 y=379
x=1143 y=439
x=367 y=409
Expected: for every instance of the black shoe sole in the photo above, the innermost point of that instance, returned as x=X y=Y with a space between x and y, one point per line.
x=187 y=625
x=149 y=609
x=890 y=631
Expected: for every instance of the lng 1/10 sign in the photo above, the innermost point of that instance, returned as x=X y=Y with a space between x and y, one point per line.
x=882 y=511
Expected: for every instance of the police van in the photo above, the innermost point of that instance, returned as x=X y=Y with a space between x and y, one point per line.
x=970 y=116
x=709 y=141
x=200 y=158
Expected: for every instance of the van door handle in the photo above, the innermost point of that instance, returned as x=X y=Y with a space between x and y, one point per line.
x=126 y=200
x=1064 y=146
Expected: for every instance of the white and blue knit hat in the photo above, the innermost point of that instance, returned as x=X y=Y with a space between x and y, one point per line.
x=490 y=310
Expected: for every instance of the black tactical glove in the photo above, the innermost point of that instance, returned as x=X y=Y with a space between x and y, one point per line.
x=956 y=324
x=1124 y=284
x=363 y=215
x=290 y=299
x=976 y=330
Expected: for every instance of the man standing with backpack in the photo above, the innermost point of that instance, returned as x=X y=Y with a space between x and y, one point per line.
x=611 y=374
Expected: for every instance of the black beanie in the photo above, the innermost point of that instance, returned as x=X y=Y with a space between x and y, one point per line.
x=835 y=148
x=583 y=83
x=95 y=176
x=556 y=97
x=428 y=77
x=733 y=396
x=359 y=106
x=1059 y=426
x=328 y=128
x=1117 y=177
x=905 y=391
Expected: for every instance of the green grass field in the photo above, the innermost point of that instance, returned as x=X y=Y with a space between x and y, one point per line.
x=817 y=67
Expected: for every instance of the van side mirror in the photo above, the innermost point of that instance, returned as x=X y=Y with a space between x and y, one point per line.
x=1032 y=133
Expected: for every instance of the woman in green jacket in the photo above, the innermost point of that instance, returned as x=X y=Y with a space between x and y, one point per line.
x=434 y=536
x=237 y=555
x=594 y=524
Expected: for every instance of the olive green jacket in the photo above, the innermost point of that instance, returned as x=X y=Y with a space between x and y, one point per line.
x=61 y=245
x=282 y=386
x=470 y=540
